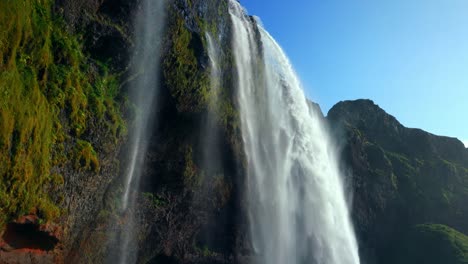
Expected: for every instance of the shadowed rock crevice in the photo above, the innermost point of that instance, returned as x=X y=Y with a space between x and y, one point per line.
x=28 y=236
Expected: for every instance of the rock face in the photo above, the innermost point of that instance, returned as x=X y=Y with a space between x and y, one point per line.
x=401 y=178
x=408 y=185
x=67 y=119
x=188 y=211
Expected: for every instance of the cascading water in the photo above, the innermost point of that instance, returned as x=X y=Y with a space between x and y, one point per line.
x=215 y=73
x=210 y=132
x=149 y=25
x=297 y=207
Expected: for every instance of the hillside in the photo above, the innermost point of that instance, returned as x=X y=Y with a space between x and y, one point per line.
x=401 y=178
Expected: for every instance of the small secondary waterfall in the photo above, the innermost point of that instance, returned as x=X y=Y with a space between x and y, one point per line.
x=149 y=24
x=210 y=132
x=297 y=207
x=214 y=60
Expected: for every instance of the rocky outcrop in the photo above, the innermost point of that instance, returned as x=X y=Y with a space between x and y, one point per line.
x=190 y=202
x=28 y=241
x=401 y=177
x=105 y=25
x=64 y=129
x=190 y=211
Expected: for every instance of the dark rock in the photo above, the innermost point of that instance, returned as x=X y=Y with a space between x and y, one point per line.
x=401 y=177
x=187 y=212
x=106 y=26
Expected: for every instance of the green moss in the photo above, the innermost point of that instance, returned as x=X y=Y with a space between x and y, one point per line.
x=46 y=90
x=155 y=200
x=191 y=177
x=188 y=84
x=102 y=20
x=205 y=251
x=86 y=157
x=447 y=196
x=434 y=243
x=206 y=26
x=451 y=166
x=400 y=157
x=403 y=166
x=227 y=113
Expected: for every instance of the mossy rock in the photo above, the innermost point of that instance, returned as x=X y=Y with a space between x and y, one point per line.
x=188 y=82
x=434 y=244
x=48 y=95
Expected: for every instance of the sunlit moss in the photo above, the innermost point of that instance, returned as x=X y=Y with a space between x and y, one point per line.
x=188 y=84
x=44 y=75
x=86 y=157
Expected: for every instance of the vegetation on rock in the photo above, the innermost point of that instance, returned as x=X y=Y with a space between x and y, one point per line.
x=433 y=243
x=50 y=92
x=188 y=84
x=402 y=178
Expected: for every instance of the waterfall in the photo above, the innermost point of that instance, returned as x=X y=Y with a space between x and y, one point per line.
x=210 y=138
x=213 y=54
x=143 y=92
x=297 y=207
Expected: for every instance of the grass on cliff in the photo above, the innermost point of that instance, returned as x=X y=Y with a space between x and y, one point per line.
x=434 y=243
x=48 y=94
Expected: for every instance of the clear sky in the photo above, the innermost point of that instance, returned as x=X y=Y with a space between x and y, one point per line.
x=410 y=57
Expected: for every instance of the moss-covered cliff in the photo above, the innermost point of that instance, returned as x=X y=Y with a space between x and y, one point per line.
x=50 y=97
x=61 y=124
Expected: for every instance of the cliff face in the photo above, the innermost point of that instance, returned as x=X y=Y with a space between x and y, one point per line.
x=61 y=125
x=402 y=178
x=70 y=64
x=188 y=211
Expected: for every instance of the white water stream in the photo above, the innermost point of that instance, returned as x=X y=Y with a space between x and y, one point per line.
x=149 y=26
x=297 y=208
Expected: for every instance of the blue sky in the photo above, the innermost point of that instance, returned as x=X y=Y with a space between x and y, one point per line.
x=410 y=57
